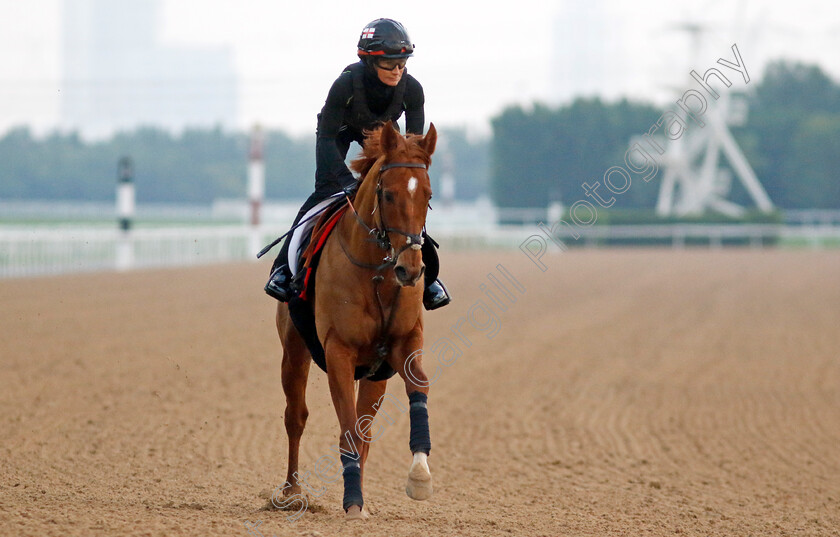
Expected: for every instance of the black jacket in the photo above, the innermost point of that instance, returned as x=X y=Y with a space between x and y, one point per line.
x=358 y=100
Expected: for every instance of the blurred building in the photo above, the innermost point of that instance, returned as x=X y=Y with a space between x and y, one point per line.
x=118 y=75
x=589 y=56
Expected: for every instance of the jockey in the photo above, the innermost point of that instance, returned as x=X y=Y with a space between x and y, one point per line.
x=368 y=93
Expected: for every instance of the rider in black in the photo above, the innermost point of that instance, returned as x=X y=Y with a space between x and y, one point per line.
x=368 y=93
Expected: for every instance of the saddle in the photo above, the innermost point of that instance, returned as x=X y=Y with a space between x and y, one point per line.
x=301 y=308
x=311 y=252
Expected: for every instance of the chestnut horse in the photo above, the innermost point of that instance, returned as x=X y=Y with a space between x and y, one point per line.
x=368 y=305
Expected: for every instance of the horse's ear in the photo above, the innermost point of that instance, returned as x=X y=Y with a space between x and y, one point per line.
x=430 y=140
x=389 y=137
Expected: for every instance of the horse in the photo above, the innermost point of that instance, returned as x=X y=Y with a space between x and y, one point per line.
x=368 y=312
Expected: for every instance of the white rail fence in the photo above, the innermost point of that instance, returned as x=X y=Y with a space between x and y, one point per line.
x=672 y=235
x=64 y=250
x=41 y=251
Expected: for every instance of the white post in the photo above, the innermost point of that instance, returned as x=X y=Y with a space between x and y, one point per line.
x=256 y=186
x=125 y=213
x=554 y=212
x=447 y=178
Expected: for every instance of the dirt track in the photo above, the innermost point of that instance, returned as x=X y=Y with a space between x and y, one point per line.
x=624 y=393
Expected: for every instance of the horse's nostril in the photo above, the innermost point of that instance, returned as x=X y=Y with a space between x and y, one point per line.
x=401 y=273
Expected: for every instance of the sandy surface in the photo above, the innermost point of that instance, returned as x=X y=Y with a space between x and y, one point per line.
x=623 y=393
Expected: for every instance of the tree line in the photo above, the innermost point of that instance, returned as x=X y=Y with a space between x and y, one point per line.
x=791 y=137
x=535 y=155
x=195 y=166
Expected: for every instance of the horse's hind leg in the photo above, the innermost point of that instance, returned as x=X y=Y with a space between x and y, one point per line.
x=295 y=372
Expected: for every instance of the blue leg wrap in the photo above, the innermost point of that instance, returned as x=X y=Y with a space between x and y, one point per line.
x=419 y=440
x=352 y=482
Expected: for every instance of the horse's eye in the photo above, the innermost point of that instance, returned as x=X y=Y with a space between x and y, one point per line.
x=389 y=197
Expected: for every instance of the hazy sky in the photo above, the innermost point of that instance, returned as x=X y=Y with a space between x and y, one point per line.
x=473 y=58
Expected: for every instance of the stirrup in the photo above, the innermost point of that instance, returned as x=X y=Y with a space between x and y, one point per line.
x=279 y=284
x=298 y=282
x=435 y=296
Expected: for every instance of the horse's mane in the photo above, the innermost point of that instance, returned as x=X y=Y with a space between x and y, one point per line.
x=372 y=150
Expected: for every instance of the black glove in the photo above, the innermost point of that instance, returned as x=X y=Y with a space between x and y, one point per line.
x=349 y=184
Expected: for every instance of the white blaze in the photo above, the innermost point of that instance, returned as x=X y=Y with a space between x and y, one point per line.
x=412 y=185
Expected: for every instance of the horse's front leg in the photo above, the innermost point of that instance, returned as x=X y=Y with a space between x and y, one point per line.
x=408 y=362
x=341 y=360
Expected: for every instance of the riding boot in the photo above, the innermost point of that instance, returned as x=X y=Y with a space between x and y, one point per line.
x=435 y=294
x=279 y=283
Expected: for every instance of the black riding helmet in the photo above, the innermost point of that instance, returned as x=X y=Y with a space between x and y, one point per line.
x=384 y=38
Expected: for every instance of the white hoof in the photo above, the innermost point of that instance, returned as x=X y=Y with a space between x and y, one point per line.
x=419 y=486
x=356 y=513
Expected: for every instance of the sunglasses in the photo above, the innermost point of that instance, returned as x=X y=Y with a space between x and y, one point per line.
x=390 y=65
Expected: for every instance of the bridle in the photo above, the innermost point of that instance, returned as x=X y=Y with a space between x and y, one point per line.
x=379 y=233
